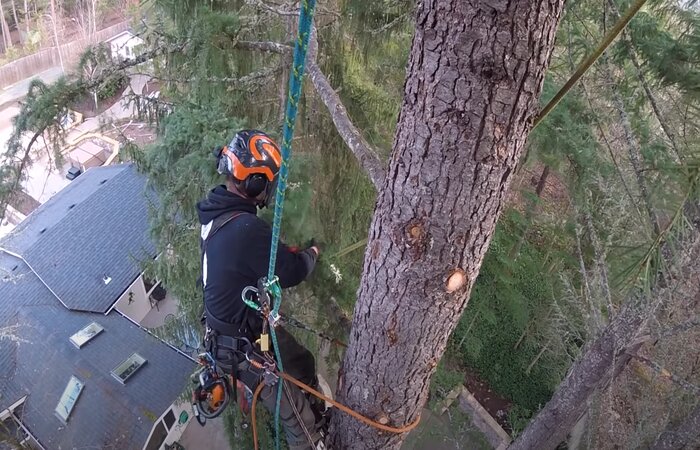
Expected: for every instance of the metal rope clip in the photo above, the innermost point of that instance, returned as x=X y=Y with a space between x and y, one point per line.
x=252 y=300
x=270 y=378
x=273 y=319
x=264 y=293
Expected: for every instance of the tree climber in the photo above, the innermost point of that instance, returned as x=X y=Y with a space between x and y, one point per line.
x=235 y=254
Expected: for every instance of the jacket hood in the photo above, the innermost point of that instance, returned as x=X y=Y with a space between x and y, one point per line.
x=220 y=200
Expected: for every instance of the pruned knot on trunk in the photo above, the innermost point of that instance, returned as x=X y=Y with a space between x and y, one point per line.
x=456 y=281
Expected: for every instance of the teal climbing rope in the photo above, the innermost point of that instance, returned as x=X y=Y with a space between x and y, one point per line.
x=296 y=77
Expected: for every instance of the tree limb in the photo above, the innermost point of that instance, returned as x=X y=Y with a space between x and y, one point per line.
x=271 y=47
x=366 y=156
x=661 y=371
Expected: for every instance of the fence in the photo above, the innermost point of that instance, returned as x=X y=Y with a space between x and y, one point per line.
x=44 y=59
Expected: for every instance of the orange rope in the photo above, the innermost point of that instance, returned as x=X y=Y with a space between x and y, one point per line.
x=349 y=411
x=340 y=406
x=255 y=402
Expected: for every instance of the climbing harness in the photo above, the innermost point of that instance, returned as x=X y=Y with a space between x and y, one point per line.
x=213 y=392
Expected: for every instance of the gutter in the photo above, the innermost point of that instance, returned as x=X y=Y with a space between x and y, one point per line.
x=26 y=430
x=10 y=411
x=20 y=257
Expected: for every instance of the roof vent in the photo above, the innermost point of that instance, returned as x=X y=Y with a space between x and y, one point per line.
x=71 y=206
x=106 y=279
x=42 y=231
x=103 y=181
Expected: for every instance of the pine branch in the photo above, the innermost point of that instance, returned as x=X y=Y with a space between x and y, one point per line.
x=366 y=156
x=237 y=83
x=5 y=199
x=288 y=12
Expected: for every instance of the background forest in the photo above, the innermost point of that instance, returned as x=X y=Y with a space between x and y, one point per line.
x=601 y=206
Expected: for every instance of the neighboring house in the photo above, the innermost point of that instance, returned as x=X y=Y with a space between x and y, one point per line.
x=73 y=262
x=125 y=45
x=18 y=208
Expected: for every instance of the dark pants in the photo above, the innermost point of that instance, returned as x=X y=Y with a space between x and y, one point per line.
x=298 y=362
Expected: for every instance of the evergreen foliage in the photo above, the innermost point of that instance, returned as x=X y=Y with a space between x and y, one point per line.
x=531 y=311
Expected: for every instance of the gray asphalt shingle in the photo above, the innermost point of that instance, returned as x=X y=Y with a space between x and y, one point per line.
x=90 y=228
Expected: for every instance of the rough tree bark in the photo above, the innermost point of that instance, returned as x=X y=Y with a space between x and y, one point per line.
x=607 y=355
x=475 y=72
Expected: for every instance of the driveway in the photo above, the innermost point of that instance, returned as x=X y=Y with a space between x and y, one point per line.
x=13 y=93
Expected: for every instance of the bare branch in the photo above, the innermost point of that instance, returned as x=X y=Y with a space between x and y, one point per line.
x=389 y=25
x=660 y=370
x=272 y=47
x=279 y=11
x=288 y=12
x=366 y=156
x=237 y=83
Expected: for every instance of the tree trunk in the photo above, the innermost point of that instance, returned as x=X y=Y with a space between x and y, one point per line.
x=633 y=148
x=474 y=76
x=54 y=19
x=14 y=15
x=7 y=39
x=686 y=435
x=605 y=357
x=27 y=17
x=94 y=19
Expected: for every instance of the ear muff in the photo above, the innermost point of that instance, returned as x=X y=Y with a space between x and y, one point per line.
x=255 y=185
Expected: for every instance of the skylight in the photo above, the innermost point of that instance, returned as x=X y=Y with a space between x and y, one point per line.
x=69 y=398
x=125 y=370
x=85 y=335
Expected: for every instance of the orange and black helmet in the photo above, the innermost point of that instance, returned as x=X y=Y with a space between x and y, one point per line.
x=253 y=159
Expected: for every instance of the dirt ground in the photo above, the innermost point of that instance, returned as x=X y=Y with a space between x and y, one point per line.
x=497 y=406
x=86 y=104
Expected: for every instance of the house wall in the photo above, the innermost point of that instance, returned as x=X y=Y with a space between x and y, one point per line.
x=139 y=306
x=177 y=429
x=124 y=45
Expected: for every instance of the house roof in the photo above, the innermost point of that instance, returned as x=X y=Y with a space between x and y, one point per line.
x=96 y=229
x=36 y=356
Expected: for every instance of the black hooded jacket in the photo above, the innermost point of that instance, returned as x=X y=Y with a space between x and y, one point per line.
x=237 y=256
